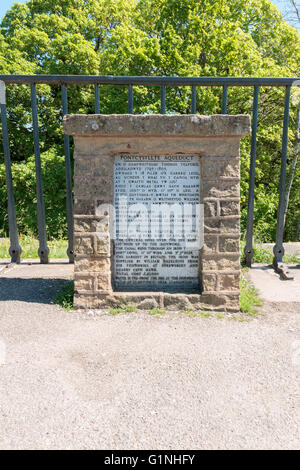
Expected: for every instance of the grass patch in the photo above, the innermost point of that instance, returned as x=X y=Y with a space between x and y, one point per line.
x=115 y=311
x=130 y=308
x=122 y=309
x=205 y=314
x=261 y=255
x=190 y=313
x=65 y=297
x=157 y=311
x=197 y=314
x=249 y=298
x=30 y=245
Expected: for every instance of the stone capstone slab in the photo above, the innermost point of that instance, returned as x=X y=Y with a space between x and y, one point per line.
x=156 y=124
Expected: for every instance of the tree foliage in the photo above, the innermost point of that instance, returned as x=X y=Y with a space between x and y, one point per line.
x=157 y=37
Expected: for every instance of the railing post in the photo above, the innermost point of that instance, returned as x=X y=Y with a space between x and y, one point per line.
x=248 y=250
x=69 y=197
x=163 y=99
x=130 y=99
x=14 y=249
x=43 y=250
x=194 y=99
x=224 y=99
x=278 y=249
x=97 y=99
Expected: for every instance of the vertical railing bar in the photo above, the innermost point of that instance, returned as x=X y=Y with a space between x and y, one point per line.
x=194 y=99
x=14 y=249
x=97 y=99
x=163 y=99
x=248 y=250
x=130 y=99
x=278 y=249
x=43 y=250
x=68 y=172
x=224 y=99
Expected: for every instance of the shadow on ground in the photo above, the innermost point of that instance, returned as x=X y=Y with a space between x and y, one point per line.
x=40 y=291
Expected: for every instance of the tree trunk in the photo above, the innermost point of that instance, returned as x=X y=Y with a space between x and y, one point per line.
x=297 y=231
x=293 y=165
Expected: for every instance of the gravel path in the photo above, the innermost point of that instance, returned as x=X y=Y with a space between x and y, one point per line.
x=135 y=381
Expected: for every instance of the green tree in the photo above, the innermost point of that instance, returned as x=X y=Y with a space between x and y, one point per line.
x=157 y=37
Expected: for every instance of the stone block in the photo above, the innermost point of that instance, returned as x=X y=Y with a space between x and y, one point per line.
x=229 y=244
x=229 y=208
x=210 y=208
x=220 y=263
x=210 y=244
x=228 y=282
x=83 y=245
x=89 y=224
x=221 y=189
x=84 y=206
x=92 y=264
x=218 y=167
x=222 y=225
x=103 y=282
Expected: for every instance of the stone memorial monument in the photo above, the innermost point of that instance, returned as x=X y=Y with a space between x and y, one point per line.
x=156 y=214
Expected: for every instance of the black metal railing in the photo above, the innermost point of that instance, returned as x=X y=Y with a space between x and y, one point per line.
x=162 y=82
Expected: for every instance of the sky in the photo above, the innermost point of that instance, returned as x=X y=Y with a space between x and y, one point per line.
x=6 y=4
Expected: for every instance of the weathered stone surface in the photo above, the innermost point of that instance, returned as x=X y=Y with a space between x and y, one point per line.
x=83 y=245
x=222 y=302
x=83 y=281
x=209 y=282
x=84 y=166
x=221 y=262
x=210 y=244
x=148 y=304
x=103 y=166
x=88 y=224
x=229 y=244
x=155 y=124
x=84 y=206
x=143 y=300
x=229 y=208
x=177 y=302
x=102 y=243
x=86 y=300
x=87 y=186
x=222 y=225
x=92 y=264
x=218 y=167
x=108 y=146
x=103 y=282
x=222 y=188
x=210 y=208
x=229 y=282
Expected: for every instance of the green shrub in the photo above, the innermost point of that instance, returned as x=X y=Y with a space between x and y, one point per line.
x=65 y=297
x=30 y=245
x=249 y=298
x=24 y=181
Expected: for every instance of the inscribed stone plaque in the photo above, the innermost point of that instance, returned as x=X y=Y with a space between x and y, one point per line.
x=157 y=204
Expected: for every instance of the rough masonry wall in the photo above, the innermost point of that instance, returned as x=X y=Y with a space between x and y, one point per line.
x=220 y=194
x=220 y=260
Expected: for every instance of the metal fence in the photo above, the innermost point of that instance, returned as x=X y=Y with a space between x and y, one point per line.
x=162 y=82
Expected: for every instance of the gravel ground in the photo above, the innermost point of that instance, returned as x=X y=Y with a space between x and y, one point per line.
x=134 y=381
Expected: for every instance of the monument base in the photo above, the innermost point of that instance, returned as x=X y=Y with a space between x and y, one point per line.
x=162 y=159
x=225 y=302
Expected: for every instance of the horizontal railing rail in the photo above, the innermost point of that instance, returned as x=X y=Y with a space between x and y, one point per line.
x=156 y=81
x=130 y=82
